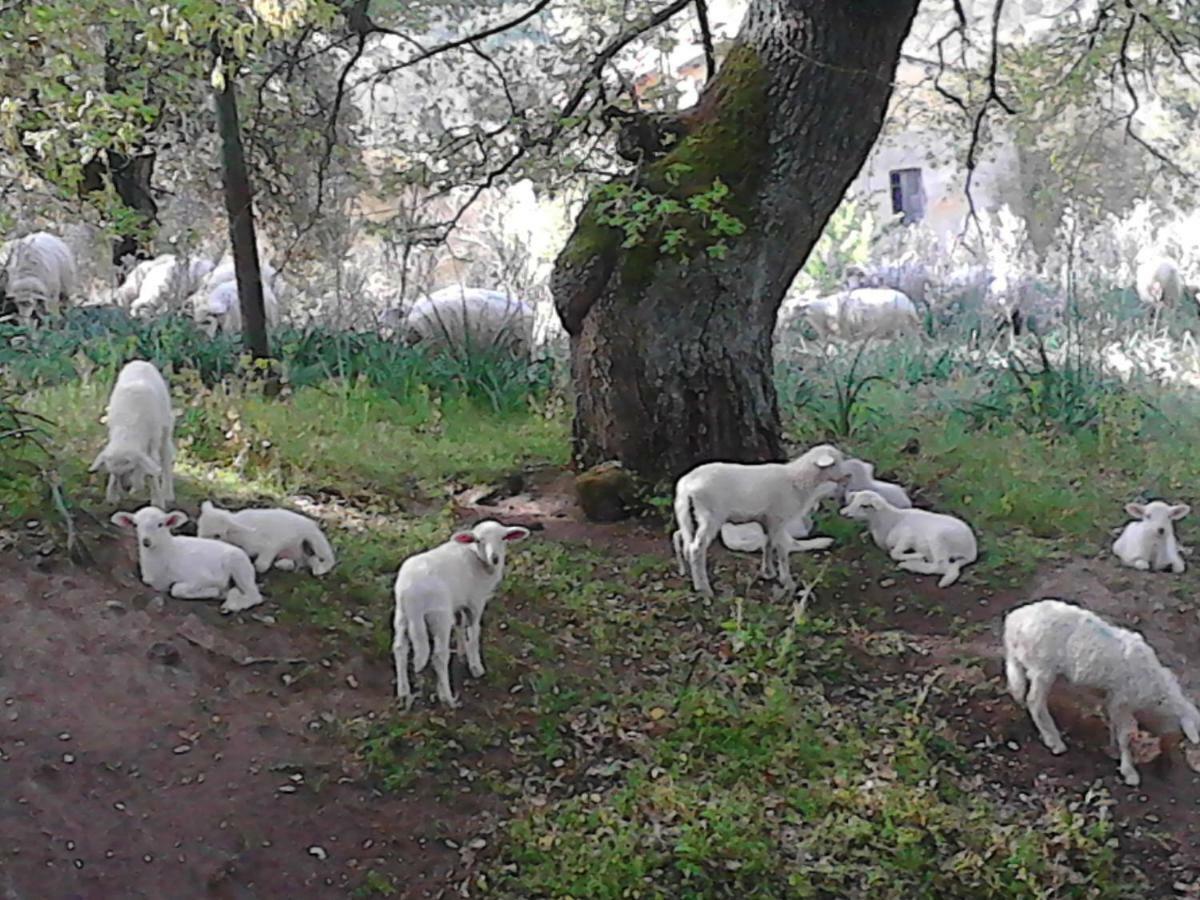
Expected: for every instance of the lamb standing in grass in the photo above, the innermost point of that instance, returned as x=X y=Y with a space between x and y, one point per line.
x=276 y=537
x=1049 y=638
x=40 y=275
x=190 y=568
x=772 y=495
x=749 y=538
x=140 y=424
x=433 y=588
x=920 y=541
x=1149 y=544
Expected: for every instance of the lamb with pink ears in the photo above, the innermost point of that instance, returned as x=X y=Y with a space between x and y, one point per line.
x=436 y=587
x=1149 y=543
x=190 y=568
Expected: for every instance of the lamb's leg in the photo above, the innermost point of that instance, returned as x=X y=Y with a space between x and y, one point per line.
x=780 y=542
x=266 y=557
x=245 y=592
x=768 y=567
x=952 y=570
x=698 y=557
x=185 y=590
x=1176 y=561
x=1018 y=685
x=474 y=660
x=1039 y=690
x=110 y=493
x=1124 y=726
x=400 y=655
x=168 y=466
x=680 y=551
x=441 y=625
x=919 y=566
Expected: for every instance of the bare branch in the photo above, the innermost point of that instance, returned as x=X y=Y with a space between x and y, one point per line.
x=710 y=55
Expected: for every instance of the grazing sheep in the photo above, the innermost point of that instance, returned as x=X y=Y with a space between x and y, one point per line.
x=220 y=308
x=1049 y=638
x=276 y=537
x=920 y=541
x=140 y=425
x=190 y=568
x=750 y=537
x=434 y=588
x=467 y=318
x=773 y=495
x=1149 y=544
x=1159 y=284
x=823 y=314
x=910 y=277
x=878 y=312
x=162 y=284
x=40 y=275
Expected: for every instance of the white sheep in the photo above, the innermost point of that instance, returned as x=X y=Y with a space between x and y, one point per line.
x=190 y=568
x=140 y=427
x=909 y=276
x=1049 y=638
x=40 y=275
x=163 y=284
x=920 y=541
x=1149 y=543
x=750 y=537
x=434 y=588
x=822 y=313
x=773 y=495
x=1159 y=283
x=877 y=312
x=220 y=309
x=470 y=318
x=276 y=537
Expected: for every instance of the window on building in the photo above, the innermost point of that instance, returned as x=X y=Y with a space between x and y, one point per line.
x=908 y=194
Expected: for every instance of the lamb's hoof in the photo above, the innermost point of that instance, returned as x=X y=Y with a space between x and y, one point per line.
x=285 y=565
x=476 y=673
x=451 y=702
x=820 y=543
x=237 y=601
x=1142 y=565
x=1058 y=749
x=1133 y=779
x=404 y=701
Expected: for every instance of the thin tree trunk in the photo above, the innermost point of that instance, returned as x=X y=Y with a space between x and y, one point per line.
x=131 y=179
x=241 y=221
x=671 y=357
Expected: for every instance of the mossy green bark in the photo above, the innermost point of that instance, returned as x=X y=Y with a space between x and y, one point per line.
x=726 y=142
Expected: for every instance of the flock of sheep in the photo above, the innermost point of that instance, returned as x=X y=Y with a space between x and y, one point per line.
x=39 y=278
x=764 y=506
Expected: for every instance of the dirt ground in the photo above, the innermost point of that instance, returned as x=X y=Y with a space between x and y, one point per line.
x=152 y=748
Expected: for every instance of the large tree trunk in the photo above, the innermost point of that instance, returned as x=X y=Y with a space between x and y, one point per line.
x=131 y=179
x=671 y=357
x=241 y=221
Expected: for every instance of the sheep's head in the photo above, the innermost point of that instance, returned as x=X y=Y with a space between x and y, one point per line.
x=129 y=467
x=30 y=297
x=862 y=504
x=215 y=523
x=153 y=526
x=1158 y=515
x=822 y=463
x=489 y=541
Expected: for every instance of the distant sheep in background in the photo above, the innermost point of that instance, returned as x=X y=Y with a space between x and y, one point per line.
x=40 y=276
x=1149 y=544
x=220 y=308
x=1159 y=283
x=466 y=318
x=1049 y=638
x=162 y=284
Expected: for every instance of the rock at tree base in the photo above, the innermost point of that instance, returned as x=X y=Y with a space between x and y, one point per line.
x=606 y=492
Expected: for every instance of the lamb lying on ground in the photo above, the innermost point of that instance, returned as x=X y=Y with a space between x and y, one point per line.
x=40 y=275
x=920 y=541
x=434 y=588
x=1049 y=638
x=1149 y=544
x=140 y=425
x=772 y=495
x=276 y=537
x=190 y=568
x=750 y=537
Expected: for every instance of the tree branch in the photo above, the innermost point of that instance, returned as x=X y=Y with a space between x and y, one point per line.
x=710 y=55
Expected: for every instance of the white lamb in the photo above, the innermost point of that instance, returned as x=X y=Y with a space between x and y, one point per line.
x=878 y=312
x=1149 y=544
x=434 y=588
x=1049 y=638
x=1159 y=283
x=190 y=568
x=749 y=538
x=140 y=426
x=276 y=537
x=220 y=309
x=163 y=283
x=40 y=275
x=773 y=495
x=920 y=541
x=470 y=318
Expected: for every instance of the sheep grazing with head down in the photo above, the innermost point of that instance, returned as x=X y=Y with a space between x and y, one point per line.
x=772 y=495
x=140 y=425
x=1050 y=638
x=1159 y=283
x=439 y=586
x=190 y=568
x=1149 y=543
x=271 y=537
x=920 y=541
x=749 y=538
x=39 y=276
x=470 y=319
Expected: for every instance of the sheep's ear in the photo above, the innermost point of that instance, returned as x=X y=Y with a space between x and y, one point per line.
x=516 y=533
x=825 y=459
x=1179 y=511
x=123 y=520
x=206 y=506
x=464 y=537
x=99 y=460
x=175 y=518
x=1136 y=510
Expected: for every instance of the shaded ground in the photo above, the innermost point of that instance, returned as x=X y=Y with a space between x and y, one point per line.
x=152 y=748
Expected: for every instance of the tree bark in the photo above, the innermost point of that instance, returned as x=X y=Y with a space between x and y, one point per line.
x=131 y=179
x=240 y=211
x=671 y=352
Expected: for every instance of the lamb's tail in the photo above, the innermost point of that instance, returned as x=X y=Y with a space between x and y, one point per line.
x=319 y=553
x=418 y=635
x=683 y=536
